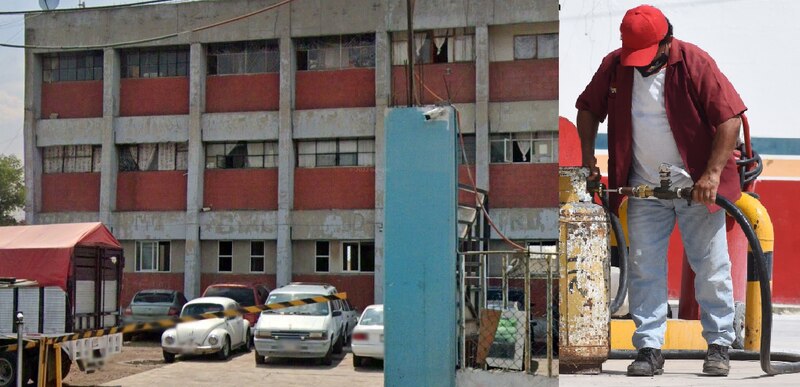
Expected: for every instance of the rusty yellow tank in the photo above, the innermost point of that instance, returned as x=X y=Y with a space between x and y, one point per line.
x=584 y=277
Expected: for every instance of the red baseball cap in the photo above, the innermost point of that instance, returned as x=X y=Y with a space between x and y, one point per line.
x=642 y=29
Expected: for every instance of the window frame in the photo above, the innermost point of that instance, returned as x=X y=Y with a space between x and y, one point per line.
x=344 y=44
x=367 y=154
x=52 y=68
x=63 y=157
x=220 y=256
x=270 y=49
x=318 y=256
x=263 y=256
x=536 y=138
x=226 y=158
x=430 y=53
x=350 y=268
x=537 y=44
x=138 y=63
x=156 y=256
x=126 y=161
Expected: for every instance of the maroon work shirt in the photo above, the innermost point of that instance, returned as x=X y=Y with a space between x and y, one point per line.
x=698 y=98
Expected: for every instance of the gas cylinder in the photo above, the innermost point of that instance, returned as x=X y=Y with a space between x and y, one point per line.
x=584 y=277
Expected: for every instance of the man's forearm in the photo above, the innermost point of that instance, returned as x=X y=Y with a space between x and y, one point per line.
x=587 y=124
x=723 y=145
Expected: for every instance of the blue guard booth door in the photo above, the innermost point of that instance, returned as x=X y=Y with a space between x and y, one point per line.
x=420 y=248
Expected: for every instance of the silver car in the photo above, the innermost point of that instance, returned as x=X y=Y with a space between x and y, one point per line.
x=153 y=305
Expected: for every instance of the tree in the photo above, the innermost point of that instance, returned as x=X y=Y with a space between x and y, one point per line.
x=12 y=189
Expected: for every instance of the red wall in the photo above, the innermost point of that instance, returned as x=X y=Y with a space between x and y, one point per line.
x=461 y=81
x=334 y=188
x=241 y=189
x=779 y=198
x=346 y=88
x=63 y=192
x=523 y=80
x=242 y=93
x=523 y=185
x=208 y=279
x=360 y=288
x=81 y=99
x=151 y=191
x=134 y=282
x=154 y=96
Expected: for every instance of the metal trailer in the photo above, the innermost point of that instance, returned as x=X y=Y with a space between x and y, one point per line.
x=73 y=276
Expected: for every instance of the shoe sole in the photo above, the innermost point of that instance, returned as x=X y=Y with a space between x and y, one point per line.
x=657 y=372
x=715 y=371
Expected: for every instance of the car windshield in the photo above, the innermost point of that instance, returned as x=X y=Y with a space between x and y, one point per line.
x=243 y=296
x=152 y=298
x=372 y=317
x=195 y=309
x=318 y=309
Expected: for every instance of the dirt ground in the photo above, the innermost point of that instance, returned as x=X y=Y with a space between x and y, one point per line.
x=141 y=354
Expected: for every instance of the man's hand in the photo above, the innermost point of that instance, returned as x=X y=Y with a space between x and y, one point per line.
x=705 y=189
x=594 y=171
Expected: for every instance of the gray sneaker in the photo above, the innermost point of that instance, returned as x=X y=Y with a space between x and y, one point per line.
x=717 y=361
x=649 y=362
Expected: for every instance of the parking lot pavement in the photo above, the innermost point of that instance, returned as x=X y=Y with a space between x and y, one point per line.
x=241 y=369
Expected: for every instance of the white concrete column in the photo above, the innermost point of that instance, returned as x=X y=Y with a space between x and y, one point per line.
x=383 y=89
x=32 y=157
x=482 y=106
x=109 y=163
x=286 y=162
x=196 y=166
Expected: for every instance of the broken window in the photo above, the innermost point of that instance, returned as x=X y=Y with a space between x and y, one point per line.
x=524 y=147
x=155 y=62
x=243 y=58
x=242 y=154
x=336 y=52
x=165 y=156
x=72 y=66
x=446 y=45
x=72 y=158
x=336 y=153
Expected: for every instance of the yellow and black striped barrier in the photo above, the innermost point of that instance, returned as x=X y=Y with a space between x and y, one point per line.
x=171 y=322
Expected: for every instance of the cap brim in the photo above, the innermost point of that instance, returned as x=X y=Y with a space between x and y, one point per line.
x=638 y=58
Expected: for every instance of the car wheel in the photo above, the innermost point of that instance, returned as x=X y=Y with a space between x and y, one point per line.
x=248 y=342
x=260 y=359
x=328 y=358
x=169 y=357
x=337 y=348
x=223 y=353
x=357 y=361
x=8 y=372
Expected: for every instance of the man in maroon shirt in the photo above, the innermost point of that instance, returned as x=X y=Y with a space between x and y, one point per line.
x=667 y=102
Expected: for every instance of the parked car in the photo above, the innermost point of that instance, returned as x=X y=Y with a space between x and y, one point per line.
x=308 y=331
x=245 y=295
x=350 y=314
x=216 y=335
x=153 y=305
x=367 y=341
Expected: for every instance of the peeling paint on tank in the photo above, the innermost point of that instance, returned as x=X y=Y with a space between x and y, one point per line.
x=584 y=298
x=572 y=185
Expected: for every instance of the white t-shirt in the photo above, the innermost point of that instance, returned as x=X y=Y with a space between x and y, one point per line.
x=653 y=142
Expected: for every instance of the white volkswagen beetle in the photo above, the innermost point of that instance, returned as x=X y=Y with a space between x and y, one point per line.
x=215 y=335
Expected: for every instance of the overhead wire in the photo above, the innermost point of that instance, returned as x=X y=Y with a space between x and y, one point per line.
x=469 y=172
x=83 y=8
x=145 y=40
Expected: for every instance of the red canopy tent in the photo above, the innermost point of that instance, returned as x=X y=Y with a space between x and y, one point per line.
x=43 y=253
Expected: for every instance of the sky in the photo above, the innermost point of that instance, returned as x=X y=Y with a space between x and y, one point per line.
x=754 y=42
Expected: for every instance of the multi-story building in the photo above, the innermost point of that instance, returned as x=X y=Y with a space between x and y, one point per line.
x=251 y=151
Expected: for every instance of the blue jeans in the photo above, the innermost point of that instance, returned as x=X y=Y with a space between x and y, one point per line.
x=650 y=223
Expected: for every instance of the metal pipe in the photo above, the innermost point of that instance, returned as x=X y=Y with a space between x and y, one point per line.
x=20 y=322
x=410 y=51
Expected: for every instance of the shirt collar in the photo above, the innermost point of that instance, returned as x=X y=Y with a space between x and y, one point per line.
x=674 y=52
